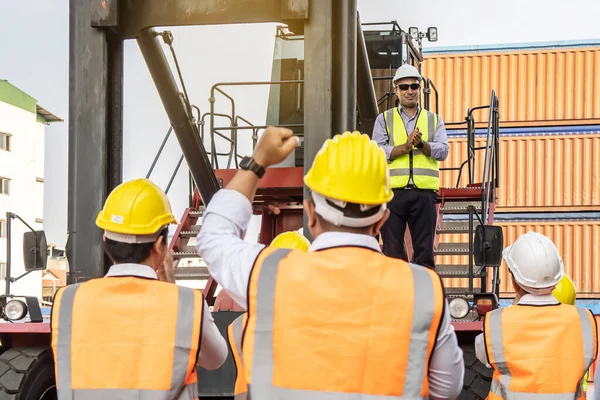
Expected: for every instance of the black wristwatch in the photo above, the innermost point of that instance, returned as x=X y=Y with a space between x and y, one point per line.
x=420 y=145
x=249 y=164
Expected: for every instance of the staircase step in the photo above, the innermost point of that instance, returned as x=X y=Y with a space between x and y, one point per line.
x=459 y=207
x=186 y=252
x=461 y=292
x=452 y=249
x=191 y=273
x=197 y=214
x=458 y=271
x=193 y=232
x=188 y=234
x=455 y=226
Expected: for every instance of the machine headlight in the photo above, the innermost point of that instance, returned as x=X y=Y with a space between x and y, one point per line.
x=459 y=308
x=15 y=310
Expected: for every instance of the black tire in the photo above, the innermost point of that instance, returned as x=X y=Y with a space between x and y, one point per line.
x=478 y=377
x=27 y=373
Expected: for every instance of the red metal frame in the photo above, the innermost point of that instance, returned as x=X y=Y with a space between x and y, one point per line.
x=279 y=219
x=39 y=327
x=471 y=326
x=209 y=290
x=25 y=334
x=275 y=178
x=470 y=192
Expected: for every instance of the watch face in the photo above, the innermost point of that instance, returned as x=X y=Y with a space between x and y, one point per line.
x=245 y=163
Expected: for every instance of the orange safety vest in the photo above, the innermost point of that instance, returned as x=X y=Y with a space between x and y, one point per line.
x=540 y=352
x=235 y=331
x=343 y=323
x=127 y=338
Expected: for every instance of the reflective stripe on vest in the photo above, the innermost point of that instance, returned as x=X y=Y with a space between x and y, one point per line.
x=104 y=379
x=507 y=384
x=235 y=332
x=426 y=315
x=425 y=170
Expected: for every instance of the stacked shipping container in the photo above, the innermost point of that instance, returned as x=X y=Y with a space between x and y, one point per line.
x=550 y=141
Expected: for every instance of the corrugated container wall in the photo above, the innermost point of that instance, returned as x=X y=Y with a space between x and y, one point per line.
x=578 y=242
x=555 y=86
x=552 y=172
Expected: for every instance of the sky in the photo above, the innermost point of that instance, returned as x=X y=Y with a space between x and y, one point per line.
x=34 y=56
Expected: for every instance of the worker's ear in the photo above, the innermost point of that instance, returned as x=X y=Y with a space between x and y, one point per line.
x=159 y=245
x=311 y=215
x=378 y=225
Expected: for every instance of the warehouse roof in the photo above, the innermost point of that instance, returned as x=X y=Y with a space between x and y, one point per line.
x=10 y=94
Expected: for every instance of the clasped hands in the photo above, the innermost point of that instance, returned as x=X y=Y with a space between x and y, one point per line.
x=413 y=139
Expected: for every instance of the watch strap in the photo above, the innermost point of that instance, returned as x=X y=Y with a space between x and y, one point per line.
x=250 y=164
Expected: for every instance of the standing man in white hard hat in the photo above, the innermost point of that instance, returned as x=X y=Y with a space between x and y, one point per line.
x=414 y=141
x=538 y=346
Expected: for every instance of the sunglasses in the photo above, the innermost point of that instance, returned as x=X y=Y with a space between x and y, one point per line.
x=413 y=86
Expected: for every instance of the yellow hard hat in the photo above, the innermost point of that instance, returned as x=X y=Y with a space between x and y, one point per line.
x=351 y=167
x=291 y=240
x=135 y=212
x=565 y=291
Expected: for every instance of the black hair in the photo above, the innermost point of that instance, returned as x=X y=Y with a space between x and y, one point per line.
x=135 y=253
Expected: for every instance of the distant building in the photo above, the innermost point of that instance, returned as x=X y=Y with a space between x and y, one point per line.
x=22 y=129
x=55 y=275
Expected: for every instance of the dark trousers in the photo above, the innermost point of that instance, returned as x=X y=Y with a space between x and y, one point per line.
x=417 y=208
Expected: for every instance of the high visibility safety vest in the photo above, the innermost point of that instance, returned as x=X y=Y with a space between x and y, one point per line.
x=425 y=170
x=235 y=330
x=540 y=352
x=126 y=338
x=312 y=334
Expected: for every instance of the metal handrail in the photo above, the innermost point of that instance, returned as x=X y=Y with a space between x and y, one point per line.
x=489 y=155
x=489 y=184
x=437 y=100
x=203 y=122
x=176 y=170
x=233 y=128
x=258 y=127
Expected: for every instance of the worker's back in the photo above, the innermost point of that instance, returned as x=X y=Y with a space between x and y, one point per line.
x=126 y=337
x=345 y=319
x=539 y=349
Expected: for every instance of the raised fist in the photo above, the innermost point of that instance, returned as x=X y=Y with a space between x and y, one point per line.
x=274 y=146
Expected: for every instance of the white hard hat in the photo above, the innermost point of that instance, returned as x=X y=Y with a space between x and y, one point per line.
x=535 y=263
x=407 y=71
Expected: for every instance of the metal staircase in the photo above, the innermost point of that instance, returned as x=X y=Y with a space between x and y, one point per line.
x=462 y=209
x=188 y=265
